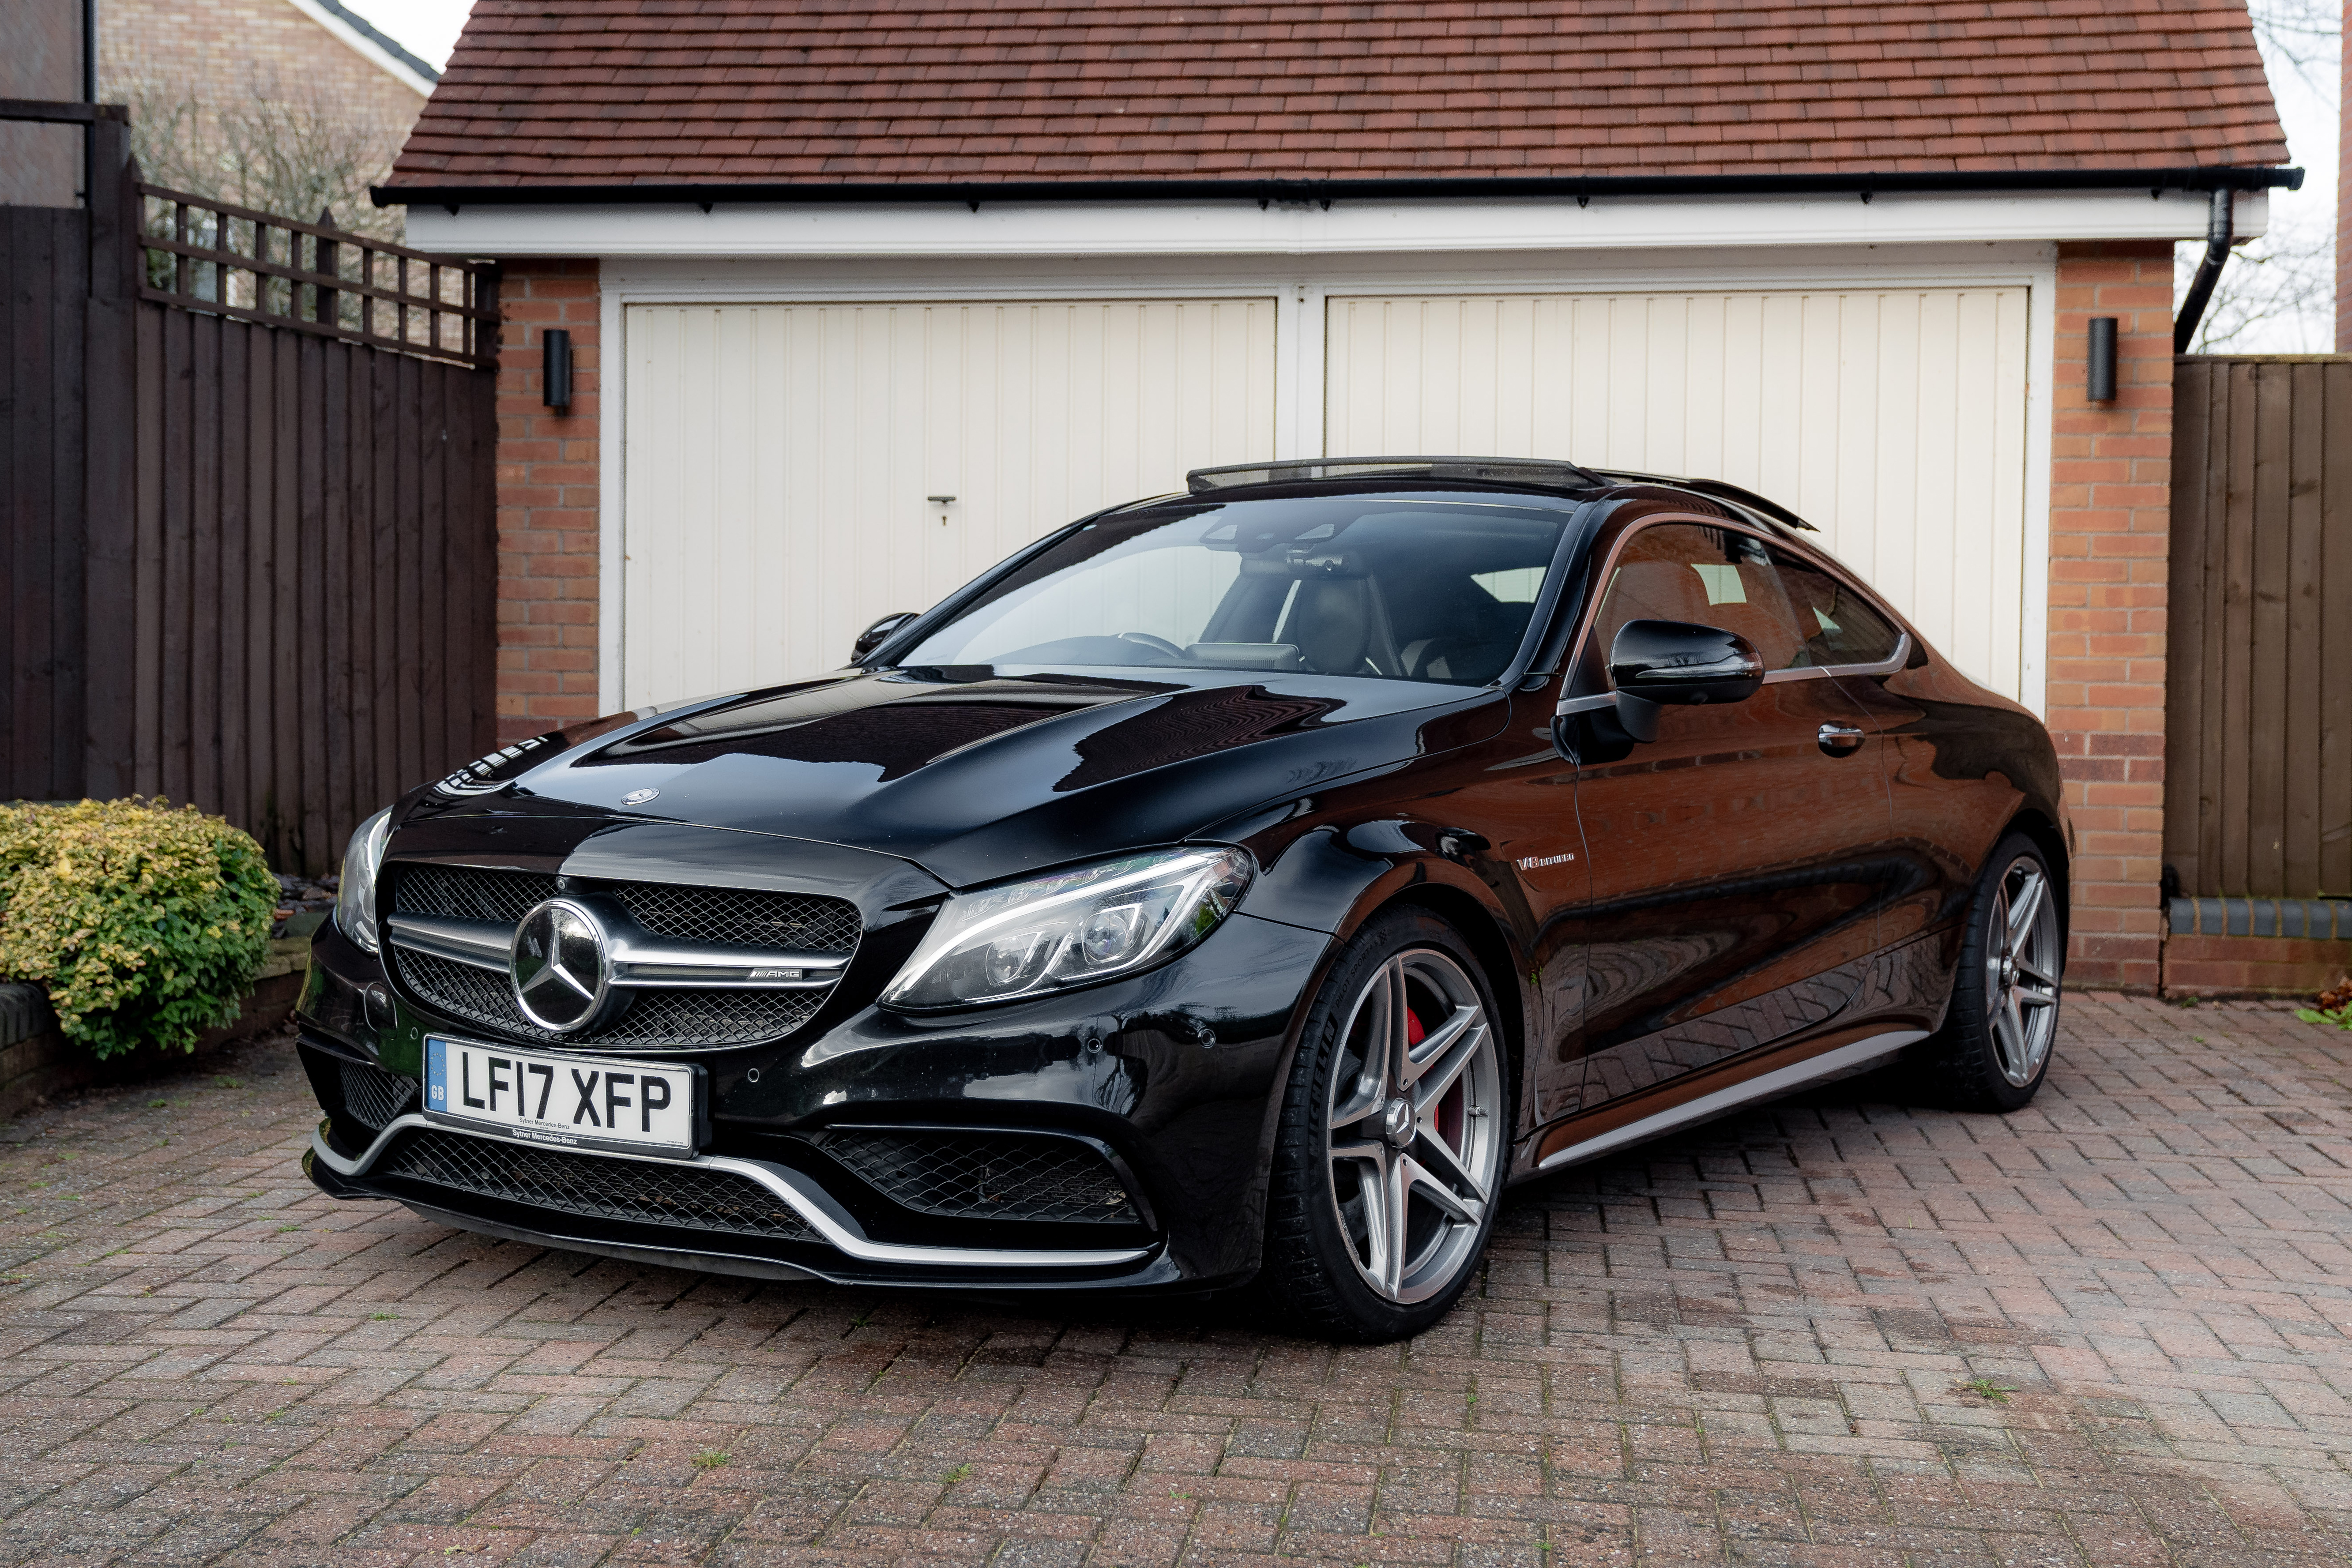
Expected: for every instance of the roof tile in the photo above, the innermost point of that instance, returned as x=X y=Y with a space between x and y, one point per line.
x=554 y=92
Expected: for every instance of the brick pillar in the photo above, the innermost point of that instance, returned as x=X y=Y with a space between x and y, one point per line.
x=2110 y=484
x=547 y=503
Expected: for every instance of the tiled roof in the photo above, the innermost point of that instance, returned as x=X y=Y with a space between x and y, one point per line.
x=551 y=92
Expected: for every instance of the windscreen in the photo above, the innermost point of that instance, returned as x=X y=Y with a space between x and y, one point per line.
x=1410 y=588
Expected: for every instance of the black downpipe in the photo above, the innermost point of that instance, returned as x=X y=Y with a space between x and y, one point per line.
x=2218 y=232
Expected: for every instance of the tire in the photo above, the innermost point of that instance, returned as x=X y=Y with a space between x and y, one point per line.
x=1402 y=1083
x=1999 y=1032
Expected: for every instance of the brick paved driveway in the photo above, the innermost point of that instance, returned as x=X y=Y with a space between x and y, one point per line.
x=1745 y=1344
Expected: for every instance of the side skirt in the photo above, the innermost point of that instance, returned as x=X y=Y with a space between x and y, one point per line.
x=1833 y=1063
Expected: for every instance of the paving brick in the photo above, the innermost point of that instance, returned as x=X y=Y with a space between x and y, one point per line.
x=1750 y=1343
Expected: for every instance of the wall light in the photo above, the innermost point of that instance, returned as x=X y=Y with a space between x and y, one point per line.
x=2102 y=377
x=555 y=366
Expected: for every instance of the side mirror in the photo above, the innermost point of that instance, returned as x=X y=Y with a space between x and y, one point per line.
x=1653 y=663
x=874 y=635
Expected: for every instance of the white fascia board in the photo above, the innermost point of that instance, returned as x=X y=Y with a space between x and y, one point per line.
x=1346 y=227
x=366 y=46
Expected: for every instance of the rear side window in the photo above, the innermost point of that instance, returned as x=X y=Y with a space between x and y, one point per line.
x=1796 y=615
x=1704 y=577
x=1839 y=625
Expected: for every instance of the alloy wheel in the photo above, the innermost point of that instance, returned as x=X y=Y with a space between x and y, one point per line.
x=2022 y=963
x=1412 y=1129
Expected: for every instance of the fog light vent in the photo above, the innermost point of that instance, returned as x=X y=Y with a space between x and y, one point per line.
x=985 y=1175
x=372 y=1097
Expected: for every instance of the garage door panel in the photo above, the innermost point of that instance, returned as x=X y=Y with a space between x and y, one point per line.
x=1893 y=419
x=778 y=457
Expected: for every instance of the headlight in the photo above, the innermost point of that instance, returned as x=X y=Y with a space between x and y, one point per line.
x=1072 y=928
x=355 y=891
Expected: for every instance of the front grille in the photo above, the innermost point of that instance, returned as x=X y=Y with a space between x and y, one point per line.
x=985 y=1175
x=460 y=893
x=734 y=916
x=372 y=1096
x=596 y=1186
x=656 y=1020
x=797 y=921
x=666 y=1018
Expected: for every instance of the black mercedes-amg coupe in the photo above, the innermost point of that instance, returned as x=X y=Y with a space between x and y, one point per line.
x=1245 y=884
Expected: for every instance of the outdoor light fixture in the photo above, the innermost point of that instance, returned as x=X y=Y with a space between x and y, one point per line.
x=2102 y=377
x=555 y=366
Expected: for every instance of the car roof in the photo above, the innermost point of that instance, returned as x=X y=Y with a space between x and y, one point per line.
x=1546 y=474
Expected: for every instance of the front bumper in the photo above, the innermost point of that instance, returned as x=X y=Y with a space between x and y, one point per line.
x=1170 y=1080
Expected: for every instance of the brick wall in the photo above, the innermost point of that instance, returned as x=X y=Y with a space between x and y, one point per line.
x=208 y=49
x=547 y=503
x=2111 y=472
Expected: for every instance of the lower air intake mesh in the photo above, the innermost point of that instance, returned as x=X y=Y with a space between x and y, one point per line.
x=680 y=1019
x=985 y=1175
x=596 y=1186
x=374 y=1096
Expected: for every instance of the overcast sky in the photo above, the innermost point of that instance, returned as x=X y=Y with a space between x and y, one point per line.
x=429 y=28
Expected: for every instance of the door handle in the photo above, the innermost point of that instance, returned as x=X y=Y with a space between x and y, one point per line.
x=1839 y=740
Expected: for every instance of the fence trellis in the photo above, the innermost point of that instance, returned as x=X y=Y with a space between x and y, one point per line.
x=207 y=254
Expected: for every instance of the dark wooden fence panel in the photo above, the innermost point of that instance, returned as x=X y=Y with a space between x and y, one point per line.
x=250 y=553
x=44 y=270
x=294 y=493
x=2258 y=714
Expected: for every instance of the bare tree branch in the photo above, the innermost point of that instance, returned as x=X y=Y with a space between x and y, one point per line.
x=294 y=154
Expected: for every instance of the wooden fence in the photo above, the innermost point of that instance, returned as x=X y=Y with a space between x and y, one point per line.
x=2258 y=713
x=253 y=547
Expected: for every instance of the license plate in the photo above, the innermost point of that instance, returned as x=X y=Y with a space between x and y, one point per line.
x=586 y=1102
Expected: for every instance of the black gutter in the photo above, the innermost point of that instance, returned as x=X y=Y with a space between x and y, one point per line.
x=2219 y=233
x=1266 y=193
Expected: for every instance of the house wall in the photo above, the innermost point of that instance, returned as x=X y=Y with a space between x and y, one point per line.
x=547 y=503
x=40 y=165
x=2109 y=524
x=215 y=49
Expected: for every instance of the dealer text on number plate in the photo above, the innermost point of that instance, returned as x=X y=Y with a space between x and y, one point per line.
x=540 y=1097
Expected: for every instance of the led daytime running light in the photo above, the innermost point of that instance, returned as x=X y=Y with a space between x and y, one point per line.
x=1072 y=927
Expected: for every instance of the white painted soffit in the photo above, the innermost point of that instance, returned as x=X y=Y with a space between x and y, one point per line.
x=1359 y=227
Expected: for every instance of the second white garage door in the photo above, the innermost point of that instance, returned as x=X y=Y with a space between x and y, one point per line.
x=777 y=458
x=1893 y=420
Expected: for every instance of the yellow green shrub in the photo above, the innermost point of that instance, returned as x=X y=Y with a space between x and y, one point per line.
x=142 y=923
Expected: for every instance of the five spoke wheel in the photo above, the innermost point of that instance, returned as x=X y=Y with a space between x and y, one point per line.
x=1413 y=1127
x=2023 y=961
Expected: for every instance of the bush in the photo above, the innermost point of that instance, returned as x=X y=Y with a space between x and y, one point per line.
x=143 y=923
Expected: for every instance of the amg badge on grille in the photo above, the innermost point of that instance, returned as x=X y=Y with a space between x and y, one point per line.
x=562 y=966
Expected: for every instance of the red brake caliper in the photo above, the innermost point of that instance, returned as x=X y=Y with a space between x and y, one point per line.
x=1449 y=1111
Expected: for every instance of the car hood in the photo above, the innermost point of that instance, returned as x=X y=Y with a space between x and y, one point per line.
x=977 y=773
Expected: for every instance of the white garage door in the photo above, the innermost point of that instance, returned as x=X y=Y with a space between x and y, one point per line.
x=1893 y=420
x=778 y=457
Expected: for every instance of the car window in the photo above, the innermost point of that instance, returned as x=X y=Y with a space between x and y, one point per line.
x=1706 y=576
x=1839 y=625
x=1401 y=587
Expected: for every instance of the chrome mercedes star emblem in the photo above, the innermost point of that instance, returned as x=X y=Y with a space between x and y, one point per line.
x=560 y=966
x=638 y=797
